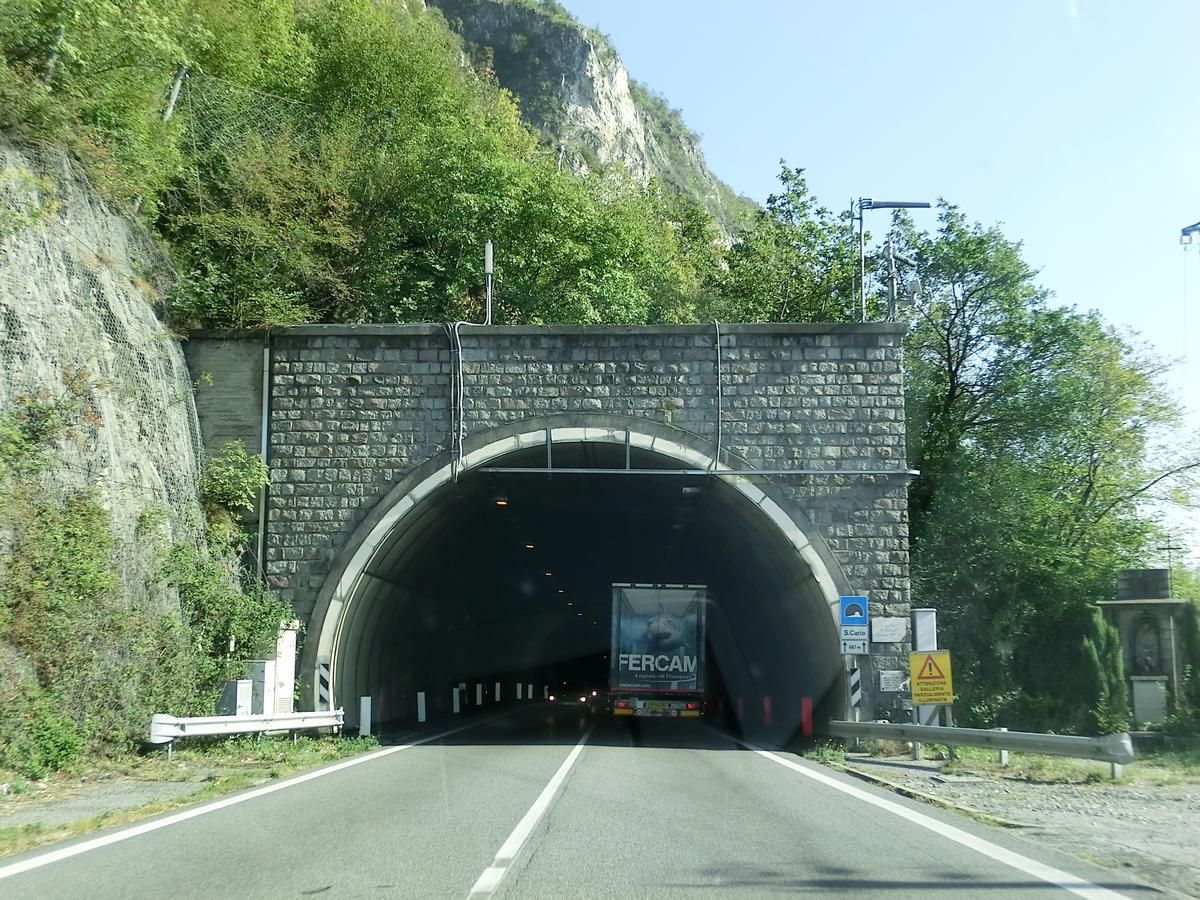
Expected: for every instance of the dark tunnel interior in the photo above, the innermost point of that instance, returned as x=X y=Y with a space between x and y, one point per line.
x=506 y=577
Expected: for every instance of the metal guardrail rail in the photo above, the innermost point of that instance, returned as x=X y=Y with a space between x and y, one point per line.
x=164 y=729
x=1111 y=748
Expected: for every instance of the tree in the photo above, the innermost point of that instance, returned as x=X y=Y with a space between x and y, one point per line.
x=1032 y=427
x=796 y=263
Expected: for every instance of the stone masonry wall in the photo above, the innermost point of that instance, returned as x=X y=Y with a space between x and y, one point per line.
x=354 y=410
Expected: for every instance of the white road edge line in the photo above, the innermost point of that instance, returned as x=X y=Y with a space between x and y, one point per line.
x=494 y=874
x=54 y=856
x=1054 y=876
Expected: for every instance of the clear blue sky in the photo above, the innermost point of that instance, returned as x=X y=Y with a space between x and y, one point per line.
x=1074 y=124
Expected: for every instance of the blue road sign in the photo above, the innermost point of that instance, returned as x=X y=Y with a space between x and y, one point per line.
x=854 y=611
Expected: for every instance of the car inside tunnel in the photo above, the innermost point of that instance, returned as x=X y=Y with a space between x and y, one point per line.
x=506 y=577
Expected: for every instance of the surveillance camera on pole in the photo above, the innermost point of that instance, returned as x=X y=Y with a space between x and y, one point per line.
x=865 y=203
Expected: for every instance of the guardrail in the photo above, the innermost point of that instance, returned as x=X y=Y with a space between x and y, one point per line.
x=165 y=729
x=1111 y=748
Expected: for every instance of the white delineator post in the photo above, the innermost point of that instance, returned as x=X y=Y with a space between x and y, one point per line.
x=479 y=694
x=497 y=692
x=529 y=689
x=454 y=701
x=420 y=706
x=518 y=690
x=364 y=715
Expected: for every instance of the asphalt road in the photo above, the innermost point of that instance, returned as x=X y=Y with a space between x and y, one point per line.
x=543 y=803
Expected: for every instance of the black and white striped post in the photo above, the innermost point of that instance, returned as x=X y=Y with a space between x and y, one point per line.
x=855 y=697
x=323 y=684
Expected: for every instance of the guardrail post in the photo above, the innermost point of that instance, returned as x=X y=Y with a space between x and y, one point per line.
x=1003 y=753
x=950 y=724
x=1116 y=770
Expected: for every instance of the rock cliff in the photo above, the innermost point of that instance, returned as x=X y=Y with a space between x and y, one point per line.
x=78 y=304
x=575 y=90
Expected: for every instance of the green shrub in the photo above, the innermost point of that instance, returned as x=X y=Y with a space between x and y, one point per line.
x=232 y=479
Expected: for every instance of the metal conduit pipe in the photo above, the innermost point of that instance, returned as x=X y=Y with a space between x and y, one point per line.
x=720 y=398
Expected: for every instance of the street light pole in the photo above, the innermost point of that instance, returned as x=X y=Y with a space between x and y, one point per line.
x=865 y=203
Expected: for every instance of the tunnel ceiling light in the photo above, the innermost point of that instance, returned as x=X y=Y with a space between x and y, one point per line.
x=547 y=573
x=569 y=603
x=529 y=546
x=562 y=590
x=502 y=501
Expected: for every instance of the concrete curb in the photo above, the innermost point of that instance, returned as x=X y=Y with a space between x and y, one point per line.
x=932 y=798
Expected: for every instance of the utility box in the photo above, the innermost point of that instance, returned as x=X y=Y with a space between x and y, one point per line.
x=235 y=698
x=261 y=673
x=285 y=668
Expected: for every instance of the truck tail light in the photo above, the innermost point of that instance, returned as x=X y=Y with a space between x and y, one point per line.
x=691 y=706
x=621 y=704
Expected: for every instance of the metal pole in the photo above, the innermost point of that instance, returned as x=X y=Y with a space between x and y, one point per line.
x=55 y=51
x=862 y=264
x=891 y=283
x=180 y=74
x=487 y=277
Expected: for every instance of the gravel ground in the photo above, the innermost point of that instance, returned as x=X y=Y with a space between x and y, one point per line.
x=1149 y=831
x=89 y=801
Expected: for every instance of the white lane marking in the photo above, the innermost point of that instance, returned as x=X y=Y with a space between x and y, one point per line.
x=1054 y=876
x=54 y=856
x=493 y=874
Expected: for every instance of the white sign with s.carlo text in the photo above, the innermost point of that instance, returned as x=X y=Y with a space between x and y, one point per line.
x=889 y=630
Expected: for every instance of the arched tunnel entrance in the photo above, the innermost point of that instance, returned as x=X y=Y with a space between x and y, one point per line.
x=505 y=576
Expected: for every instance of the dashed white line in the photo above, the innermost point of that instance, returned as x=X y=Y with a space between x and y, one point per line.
x=115 y=837
x=491 y=877
x=1080 y=886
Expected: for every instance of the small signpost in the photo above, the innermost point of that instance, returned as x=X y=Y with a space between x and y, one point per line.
x=889 y=630
x=930 y=677
x=854 y=619
x=891 y=680
x=854 y=624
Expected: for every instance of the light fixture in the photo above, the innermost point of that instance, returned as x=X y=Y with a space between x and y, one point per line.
x=865 y=203
x=502 y=501
x=547 y=573
x=529 y=546
x=562 y=590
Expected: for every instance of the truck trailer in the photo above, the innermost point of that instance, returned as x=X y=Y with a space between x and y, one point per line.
x=656 y=659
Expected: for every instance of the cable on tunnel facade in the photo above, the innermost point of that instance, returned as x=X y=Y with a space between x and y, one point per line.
x=716 y=461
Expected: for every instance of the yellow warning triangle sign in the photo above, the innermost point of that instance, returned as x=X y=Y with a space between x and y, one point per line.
x=929 y=671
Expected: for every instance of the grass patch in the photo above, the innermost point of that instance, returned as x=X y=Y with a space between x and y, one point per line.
x=216 y=766
x=827 y=752
x=1165 y=767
